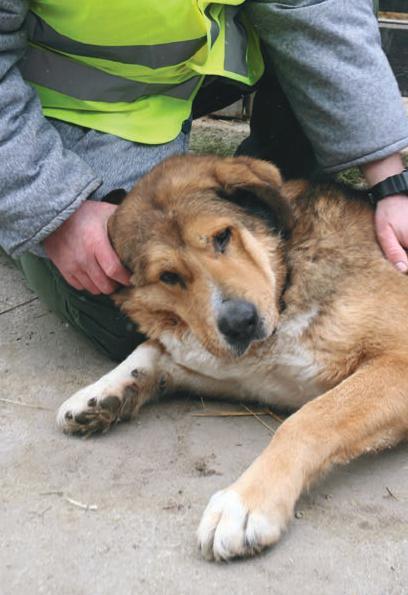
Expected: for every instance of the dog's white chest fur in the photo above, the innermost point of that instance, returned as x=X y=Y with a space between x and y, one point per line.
x=283 y=373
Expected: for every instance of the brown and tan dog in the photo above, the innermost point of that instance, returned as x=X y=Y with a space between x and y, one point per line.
x=260 y=290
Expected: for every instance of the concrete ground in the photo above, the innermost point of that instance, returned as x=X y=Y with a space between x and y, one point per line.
x=117 y=513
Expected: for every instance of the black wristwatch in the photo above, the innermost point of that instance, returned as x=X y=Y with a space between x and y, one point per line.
x=393 y=185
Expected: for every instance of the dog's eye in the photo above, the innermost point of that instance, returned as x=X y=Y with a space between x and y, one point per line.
x=171 y=278
x=222 y=239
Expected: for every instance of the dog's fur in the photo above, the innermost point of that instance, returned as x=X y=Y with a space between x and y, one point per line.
x=329 y=338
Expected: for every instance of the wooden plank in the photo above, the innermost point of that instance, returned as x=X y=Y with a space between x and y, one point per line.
x=398 y=17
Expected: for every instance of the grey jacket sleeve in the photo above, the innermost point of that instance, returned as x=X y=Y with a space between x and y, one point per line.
x=41 y=183
x=327 y=55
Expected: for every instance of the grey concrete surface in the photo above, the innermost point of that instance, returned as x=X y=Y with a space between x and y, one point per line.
x=147 y=482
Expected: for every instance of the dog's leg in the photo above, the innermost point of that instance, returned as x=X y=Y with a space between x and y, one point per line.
x=117 y=395
x=147 y=372
x=368 y=411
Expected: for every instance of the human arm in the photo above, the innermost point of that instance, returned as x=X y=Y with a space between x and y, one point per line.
x=328 y=58
x=42 y=185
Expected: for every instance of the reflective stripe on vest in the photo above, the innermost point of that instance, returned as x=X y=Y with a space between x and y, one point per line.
x=236 y=42
x=61 y=73
x=156 y=56
x=141 y=91
x=214 y=27
x=90 y=84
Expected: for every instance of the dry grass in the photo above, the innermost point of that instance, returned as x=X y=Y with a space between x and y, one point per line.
x=257 y=414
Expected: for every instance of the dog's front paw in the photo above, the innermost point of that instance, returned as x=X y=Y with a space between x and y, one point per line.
x=98 y=406
x=88 y=411
x=230 y=527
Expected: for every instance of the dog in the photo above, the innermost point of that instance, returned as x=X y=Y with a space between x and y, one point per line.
x=259 y=290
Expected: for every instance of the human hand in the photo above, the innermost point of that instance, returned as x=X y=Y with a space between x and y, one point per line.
x=81 y=250
x=391 y=224
x=391 y=215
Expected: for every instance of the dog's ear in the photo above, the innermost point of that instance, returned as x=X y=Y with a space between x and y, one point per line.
x=257 y=187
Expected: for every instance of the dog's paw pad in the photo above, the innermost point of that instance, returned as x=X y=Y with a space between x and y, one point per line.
x=110 y=403
x=85 y=415
x=229 y=529
x=129 y=400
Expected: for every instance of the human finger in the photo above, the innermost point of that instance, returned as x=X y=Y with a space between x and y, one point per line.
x=87 y=283
x=104 y=283
x=392 y=248
x=73 y=281
x=109 y=262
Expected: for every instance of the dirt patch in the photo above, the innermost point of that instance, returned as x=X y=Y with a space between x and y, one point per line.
x=203 y=469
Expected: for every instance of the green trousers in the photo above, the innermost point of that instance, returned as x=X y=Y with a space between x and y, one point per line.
x=96 y=317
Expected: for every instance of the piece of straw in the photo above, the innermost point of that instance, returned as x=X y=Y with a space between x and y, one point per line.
x=259 y=419
x=21 y=404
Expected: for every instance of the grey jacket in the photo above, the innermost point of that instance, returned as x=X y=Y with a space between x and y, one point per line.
x=327 y=55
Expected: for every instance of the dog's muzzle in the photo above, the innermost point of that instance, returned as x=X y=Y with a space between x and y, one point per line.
x=240 y=324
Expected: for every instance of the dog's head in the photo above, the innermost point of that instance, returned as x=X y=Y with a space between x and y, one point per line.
x=203 y=238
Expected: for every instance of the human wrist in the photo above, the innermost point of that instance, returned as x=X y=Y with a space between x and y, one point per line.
x=378 y=171
x=386 y=178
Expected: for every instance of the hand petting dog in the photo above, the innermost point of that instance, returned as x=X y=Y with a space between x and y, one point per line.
x=391 y=217
x=81 y=250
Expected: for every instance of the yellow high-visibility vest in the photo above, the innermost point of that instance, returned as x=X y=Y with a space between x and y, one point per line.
x=133 y=67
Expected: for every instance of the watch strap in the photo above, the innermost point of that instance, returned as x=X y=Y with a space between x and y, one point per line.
x=397 y=184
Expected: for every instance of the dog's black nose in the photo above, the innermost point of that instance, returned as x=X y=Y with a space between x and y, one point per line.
x=238 y=321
